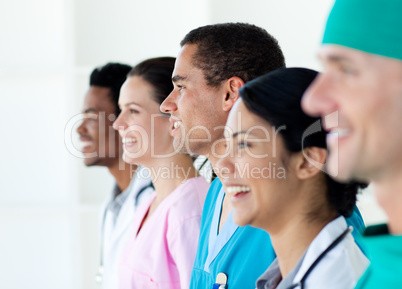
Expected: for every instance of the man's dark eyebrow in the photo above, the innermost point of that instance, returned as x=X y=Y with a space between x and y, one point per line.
x=177 y=78
x=88 y=110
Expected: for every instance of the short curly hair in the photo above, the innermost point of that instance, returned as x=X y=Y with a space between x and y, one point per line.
x=112 y=76
x=234 y=49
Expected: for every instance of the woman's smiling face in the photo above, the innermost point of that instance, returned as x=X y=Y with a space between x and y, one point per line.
x=144 y=130
x=256 y=171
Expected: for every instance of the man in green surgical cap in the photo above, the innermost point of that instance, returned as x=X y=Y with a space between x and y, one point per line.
x=359 y=96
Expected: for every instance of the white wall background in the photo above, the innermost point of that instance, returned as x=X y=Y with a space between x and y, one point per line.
x=49 y=201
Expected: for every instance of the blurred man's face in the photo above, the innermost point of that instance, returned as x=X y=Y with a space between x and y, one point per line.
x=195 y=107
x=359 y=97
x=99 y=142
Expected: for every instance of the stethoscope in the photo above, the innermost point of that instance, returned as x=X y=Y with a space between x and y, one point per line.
x=319 y=258
x=99 y=274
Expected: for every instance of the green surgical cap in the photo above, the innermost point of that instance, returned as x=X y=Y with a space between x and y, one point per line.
x=373 y=26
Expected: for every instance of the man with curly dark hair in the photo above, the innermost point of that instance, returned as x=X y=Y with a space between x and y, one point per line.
x=214 y=62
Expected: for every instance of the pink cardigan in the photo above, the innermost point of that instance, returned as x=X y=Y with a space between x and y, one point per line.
x=162 y=254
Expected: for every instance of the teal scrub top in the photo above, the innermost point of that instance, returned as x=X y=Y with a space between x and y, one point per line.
x=242 y=253
x=385 y=252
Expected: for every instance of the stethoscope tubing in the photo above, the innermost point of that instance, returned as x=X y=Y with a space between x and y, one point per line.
x=322 y=255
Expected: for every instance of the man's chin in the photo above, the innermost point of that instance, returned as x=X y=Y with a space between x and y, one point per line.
x=192 y=148
x=91 y=162
x=181 y=150
x=179 y=146
x=341 y=170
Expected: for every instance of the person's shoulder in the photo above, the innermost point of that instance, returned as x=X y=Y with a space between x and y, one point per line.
x=188 y=199
x=198 y=184
x=214 y=190
x=140 y=181
x=216 y=185
x=342 y=267
x=192 y=188
x=211 y=197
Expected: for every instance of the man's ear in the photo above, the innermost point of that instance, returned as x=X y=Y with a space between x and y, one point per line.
x=232 y=87
x=310 y=162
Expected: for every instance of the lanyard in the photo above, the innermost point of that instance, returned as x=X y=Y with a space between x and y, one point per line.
x=322 y=255
x=99 y=274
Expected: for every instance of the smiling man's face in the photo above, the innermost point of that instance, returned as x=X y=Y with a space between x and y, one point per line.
x=100 y=143
x=195 y=108
x=359 y=97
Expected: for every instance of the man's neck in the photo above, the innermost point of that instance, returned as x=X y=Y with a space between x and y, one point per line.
x=389 y=196
x=122 y=175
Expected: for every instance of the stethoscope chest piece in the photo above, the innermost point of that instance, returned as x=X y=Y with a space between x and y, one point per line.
x=221 y=281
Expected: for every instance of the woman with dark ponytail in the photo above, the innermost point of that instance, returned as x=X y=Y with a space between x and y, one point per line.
x=275 y=176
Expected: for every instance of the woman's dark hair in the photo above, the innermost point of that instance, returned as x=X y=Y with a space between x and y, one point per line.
x=158 y=73
x=276 y=97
